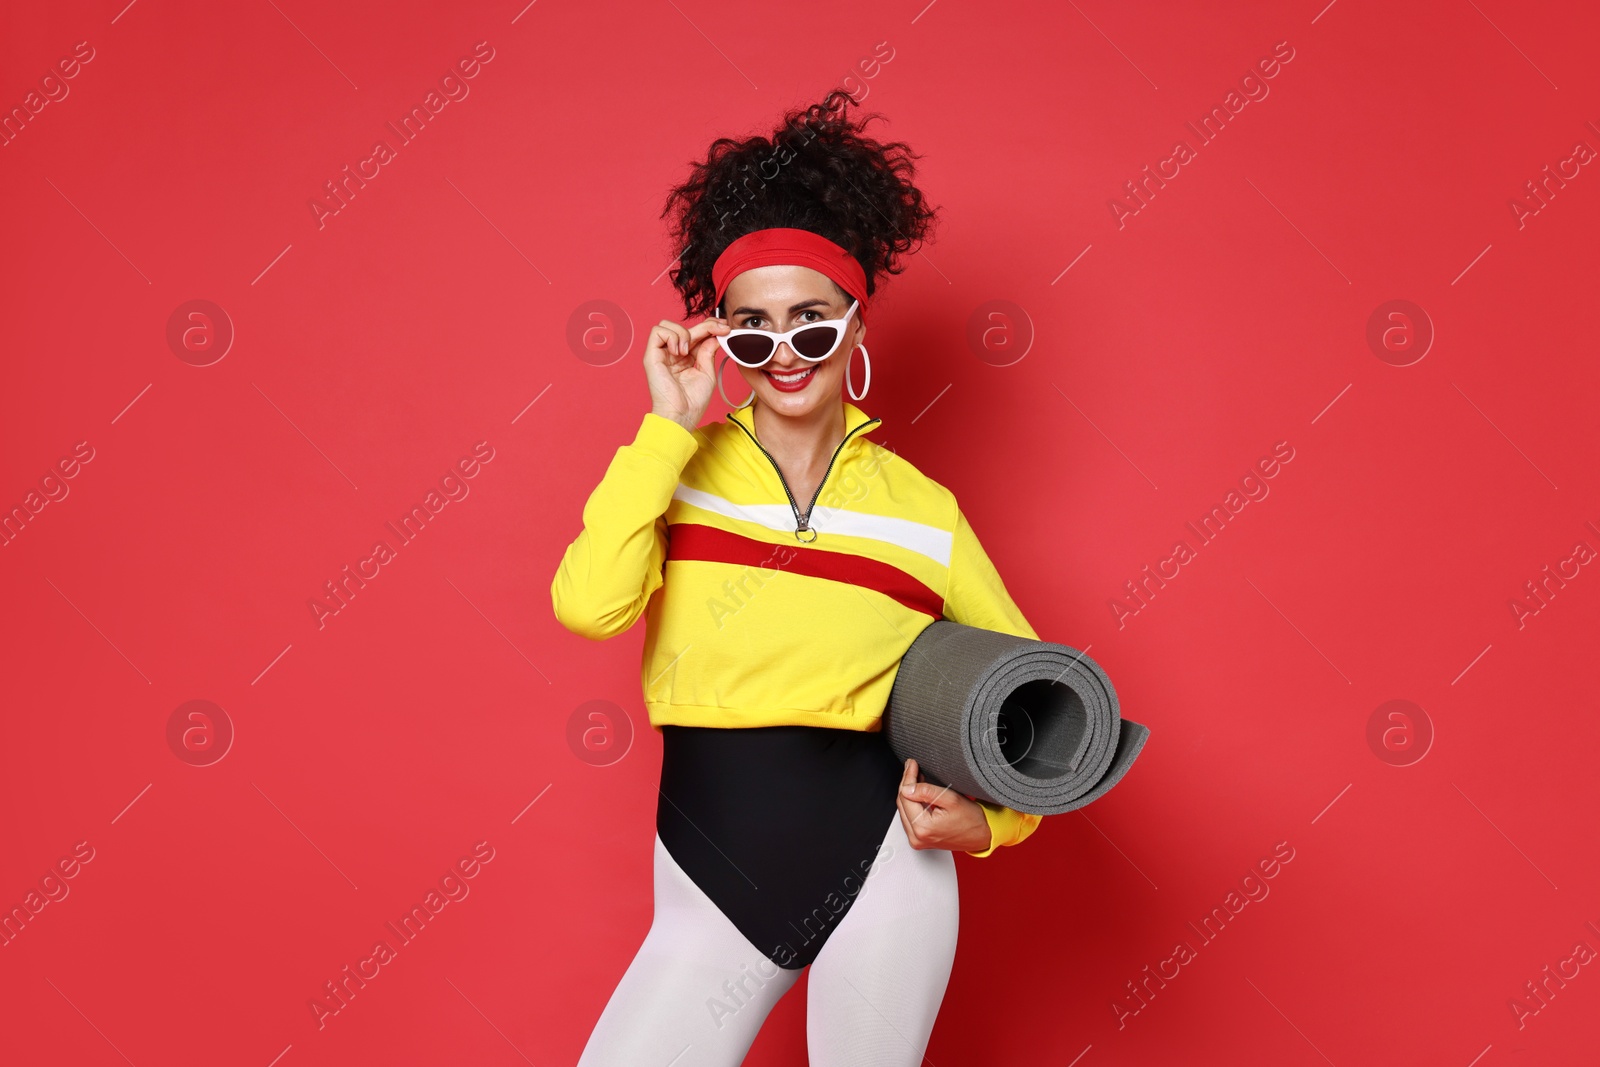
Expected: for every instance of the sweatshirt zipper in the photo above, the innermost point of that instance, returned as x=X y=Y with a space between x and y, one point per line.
x=802 y=522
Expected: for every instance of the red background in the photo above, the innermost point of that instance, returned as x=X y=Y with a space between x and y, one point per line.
x=374 y=351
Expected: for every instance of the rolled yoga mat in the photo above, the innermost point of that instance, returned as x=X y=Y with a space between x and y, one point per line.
x=1031 y=725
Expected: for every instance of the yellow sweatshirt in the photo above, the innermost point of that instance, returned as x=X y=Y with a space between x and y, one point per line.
x=750 y=624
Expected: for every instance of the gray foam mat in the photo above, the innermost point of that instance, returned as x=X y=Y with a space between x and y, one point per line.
x=1032 y=725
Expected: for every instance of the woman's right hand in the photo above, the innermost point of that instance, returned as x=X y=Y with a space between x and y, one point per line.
x=680 y=367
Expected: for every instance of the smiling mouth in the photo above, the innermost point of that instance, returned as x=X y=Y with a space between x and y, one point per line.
x=792 y=378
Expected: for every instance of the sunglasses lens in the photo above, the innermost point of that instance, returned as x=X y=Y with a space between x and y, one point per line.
x=816 y=341
x=750 y=349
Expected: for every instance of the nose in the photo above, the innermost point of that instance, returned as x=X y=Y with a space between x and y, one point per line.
x=793 y=362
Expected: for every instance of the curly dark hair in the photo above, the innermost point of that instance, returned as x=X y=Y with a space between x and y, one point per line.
x=817 y=172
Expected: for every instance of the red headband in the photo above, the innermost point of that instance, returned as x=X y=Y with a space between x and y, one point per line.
x=783 y=244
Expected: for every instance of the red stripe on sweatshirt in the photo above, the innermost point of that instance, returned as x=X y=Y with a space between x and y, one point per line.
x=697 y=541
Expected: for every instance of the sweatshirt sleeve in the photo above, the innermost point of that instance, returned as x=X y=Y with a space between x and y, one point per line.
x=608 y=573
x=975 y=596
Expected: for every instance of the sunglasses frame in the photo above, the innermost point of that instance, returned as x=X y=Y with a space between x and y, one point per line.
x=788 y=338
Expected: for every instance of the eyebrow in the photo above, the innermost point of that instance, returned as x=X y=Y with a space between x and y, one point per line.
x=747 y=310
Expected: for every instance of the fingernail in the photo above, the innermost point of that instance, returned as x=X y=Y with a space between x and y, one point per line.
x=908 y=790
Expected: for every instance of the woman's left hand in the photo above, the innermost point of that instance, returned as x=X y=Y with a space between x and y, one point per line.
x=936 y=816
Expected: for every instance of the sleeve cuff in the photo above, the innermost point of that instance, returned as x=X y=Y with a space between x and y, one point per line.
x=1006 y=827
x=664 y=439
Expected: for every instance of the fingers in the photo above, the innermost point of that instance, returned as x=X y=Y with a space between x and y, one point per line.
x=909 y=827
x=705 y=350
x=705 y=328
x=908 y=776
x=706 y=357
x=928 y=795
x=942 y=817
x=662 y=344
x=910 y=810
x=677 y=342
x=921 y=806
x=925 y=793
x=672 y=338
x=910 y=821
x=923 y=822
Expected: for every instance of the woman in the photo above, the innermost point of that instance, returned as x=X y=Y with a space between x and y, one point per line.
x=788 y=834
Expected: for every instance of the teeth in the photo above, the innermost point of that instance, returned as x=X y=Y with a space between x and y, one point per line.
x=795 y=377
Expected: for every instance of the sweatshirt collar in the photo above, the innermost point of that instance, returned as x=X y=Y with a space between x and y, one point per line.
x=857 y=423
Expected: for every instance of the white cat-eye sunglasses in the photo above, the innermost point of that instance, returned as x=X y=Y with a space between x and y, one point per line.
x=814 y=341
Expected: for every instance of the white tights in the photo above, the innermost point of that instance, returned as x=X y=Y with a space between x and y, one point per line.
x=698 y=991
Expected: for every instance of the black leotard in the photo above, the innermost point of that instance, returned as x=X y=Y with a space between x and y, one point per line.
x=778 y=825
